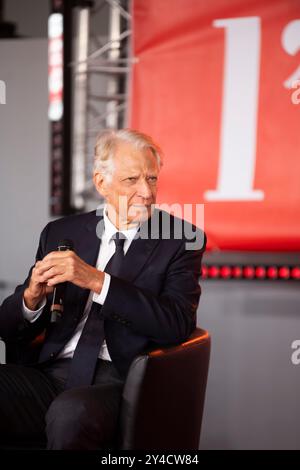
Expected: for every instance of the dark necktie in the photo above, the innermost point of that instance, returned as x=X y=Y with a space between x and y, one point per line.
x=86 y=354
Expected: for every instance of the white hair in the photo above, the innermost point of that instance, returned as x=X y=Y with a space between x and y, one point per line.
x=107 y=142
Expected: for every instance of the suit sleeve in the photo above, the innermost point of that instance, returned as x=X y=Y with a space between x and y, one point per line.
x=169 y=317
x=12 y=322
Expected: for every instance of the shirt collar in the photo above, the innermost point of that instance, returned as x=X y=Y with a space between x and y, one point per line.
x=110 y=229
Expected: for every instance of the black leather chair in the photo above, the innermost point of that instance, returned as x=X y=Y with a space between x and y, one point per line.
x=163 y=398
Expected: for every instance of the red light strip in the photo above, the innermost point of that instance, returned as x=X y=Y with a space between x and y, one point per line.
x=260 y=272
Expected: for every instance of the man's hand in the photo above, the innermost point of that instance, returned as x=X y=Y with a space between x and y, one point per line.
x=62 y=266
x=37 y=289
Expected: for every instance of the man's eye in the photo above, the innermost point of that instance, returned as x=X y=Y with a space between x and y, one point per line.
x=152 y=178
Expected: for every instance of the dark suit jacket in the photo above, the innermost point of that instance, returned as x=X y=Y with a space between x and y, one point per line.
x=152 y=302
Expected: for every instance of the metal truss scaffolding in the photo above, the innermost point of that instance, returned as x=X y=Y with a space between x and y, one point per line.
x=99 y=67
x=101 y=73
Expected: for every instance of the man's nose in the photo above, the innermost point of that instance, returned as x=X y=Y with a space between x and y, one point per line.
x=144 y=189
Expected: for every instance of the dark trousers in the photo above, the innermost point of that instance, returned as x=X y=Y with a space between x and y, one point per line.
x=35 y=406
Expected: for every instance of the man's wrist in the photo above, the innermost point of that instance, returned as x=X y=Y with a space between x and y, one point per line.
x=31 y=301
x=97 y=281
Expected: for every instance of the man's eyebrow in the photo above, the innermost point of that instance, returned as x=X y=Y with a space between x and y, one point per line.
x=128 y=175
x=136 y=175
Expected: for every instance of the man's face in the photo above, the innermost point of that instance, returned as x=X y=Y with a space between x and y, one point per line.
x=132 y=189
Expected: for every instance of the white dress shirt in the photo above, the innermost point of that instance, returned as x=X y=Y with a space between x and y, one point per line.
x=107 y=249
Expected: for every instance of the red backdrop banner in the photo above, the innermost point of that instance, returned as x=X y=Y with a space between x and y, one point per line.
x=217 y=85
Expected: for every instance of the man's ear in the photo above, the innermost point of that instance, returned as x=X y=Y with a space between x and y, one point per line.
x=100 y=183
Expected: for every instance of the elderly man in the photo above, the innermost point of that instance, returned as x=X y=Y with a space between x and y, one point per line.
x=131 y=284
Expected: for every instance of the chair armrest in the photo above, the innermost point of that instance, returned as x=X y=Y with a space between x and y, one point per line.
x=164 y=394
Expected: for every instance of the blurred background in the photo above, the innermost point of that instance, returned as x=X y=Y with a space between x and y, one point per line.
x=213 y=85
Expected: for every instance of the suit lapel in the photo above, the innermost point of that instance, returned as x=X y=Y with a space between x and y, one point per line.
x=89 y=245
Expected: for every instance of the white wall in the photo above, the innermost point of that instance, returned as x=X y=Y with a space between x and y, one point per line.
x=252 y=399
x=24 y=155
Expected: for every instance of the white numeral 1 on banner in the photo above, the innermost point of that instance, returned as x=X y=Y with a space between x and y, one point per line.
x=239 y=111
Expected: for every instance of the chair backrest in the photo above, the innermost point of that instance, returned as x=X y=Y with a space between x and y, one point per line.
x=164 y=395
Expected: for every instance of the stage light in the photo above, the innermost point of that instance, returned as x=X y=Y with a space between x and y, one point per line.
x=237 y=272
x=272 y=272
x=204 y=273
x=250 y=272
x=284 y=272
x=295 y=272
x=225 y=272
x=260 y=272
x=213 y=272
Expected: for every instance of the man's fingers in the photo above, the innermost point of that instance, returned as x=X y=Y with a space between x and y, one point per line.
x=39 y=271
x=47 y=265
x=54 y=271
x=56 y=280
x=58 y=255
x=36 y=276
x=56 y=267
x=42 y=275
x=53 y=259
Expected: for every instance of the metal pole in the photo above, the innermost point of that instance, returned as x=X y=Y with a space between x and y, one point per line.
x=113 y=54
x=82 y=19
